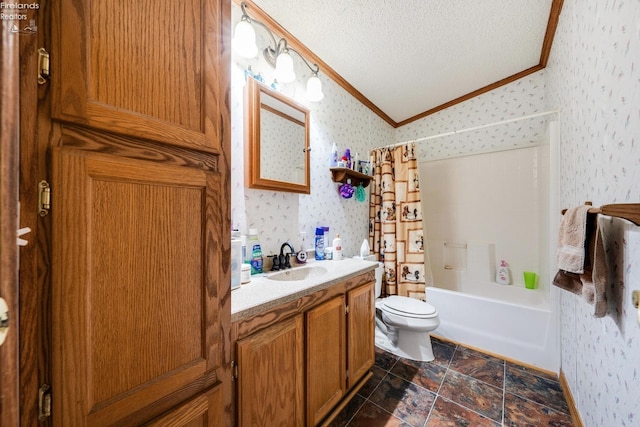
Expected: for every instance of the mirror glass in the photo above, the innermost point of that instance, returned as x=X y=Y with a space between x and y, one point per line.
x=277 y=139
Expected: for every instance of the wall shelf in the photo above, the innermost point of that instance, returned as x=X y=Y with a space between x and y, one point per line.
x=357 y=178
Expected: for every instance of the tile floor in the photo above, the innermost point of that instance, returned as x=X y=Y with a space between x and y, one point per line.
x=461 y=387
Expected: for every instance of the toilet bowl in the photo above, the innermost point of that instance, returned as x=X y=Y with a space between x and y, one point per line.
x=403 y=324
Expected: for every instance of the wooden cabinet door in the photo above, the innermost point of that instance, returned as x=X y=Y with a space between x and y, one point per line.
x=360 y=332
x=271 y=375
x=148 y=69
x=136 y=291
x=326 y=358
x=201 y=411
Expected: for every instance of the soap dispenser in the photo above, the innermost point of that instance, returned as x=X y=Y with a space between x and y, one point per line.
x=503 y=276
x=301 y=255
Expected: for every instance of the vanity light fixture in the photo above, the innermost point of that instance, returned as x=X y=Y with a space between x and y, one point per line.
x=277 y=54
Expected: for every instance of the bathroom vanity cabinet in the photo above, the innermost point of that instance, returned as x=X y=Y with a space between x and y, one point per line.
x=340 y=348
x=271 y=387
x=326 y=357
x=303 y=360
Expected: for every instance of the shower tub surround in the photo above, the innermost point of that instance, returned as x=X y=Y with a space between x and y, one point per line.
x=480 y=209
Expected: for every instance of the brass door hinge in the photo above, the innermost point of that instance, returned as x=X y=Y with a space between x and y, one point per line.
x=234 y=371
x=43 y=66
x=44 y=198
x=44 y=402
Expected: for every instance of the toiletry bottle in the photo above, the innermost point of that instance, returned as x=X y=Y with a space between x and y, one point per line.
x=255 y=251
x=337 y=248
x=301 y=256
x=319 y=243
x=503 y=276
x=236 y=262
x=365 y=249
x=248 y=73
x=243 y=240
x=334 y=155
x=347 y=156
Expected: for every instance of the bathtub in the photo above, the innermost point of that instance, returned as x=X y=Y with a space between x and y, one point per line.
x=521 y=325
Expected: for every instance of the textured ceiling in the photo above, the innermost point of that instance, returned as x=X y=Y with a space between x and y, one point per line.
x=411 y=56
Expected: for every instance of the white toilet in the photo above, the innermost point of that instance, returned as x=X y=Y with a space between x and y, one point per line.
x=403 y=324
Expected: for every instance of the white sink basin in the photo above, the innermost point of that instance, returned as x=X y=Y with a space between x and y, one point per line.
x=300 y=273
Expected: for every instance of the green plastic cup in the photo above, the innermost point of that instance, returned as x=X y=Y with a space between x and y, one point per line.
x=530 y=279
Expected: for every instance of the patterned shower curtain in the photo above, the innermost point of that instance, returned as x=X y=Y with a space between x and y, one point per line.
x=395 y=222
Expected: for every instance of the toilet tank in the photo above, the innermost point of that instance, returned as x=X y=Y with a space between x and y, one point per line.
x=378 y=272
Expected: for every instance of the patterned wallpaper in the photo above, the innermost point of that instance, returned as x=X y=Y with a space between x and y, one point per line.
x=593 y=77
x=520 y=98
x=338 y=118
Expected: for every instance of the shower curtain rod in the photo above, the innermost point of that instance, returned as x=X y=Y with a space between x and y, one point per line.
x=530 y=116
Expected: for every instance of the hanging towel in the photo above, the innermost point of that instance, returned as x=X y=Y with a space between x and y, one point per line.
x=572 y=238
x=595 y=281
x=592 y=283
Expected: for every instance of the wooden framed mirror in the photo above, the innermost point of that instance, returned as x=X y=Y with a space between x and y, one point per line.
x=276 y=139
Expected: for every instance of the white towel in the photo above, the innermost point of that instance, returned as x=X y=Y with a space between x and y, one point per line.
x=572 y=238
x=593 y=282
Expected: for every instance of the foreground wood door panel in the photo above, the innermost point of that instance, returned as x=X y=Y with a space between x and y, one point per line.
x=326 y=358
x=124 y=286
x=195 y=413
x=270 y=375
x=360 y=332
x=9 y=161
x=136 y=318
x=148 y=69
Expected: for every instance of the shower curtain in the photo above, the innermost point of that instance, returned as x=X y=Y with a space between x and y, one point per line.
x=395 y=222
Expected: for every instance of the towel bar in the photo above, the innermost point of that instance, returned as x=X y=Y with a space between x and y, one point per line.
x=628 y=211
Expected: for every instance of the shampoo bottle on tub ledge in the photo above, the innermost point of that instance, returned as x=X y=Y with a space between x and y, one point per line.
x=503 y=276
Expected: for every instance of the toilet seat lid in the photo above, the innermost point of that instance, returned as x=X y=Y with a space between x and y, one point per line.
x=409 y=307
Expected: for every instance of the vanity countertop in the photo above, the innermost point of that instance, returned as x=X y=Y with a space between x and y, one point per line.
x=262 y=293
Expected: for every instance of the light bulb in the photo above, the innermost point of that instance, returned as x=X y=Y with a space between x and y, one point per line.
x=244 y=40
x=284 y=68
x=314 y=89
